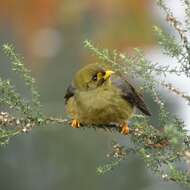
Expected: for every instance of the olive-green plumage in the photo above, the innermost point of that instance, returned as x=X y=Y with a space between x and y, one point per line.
x=99 y=96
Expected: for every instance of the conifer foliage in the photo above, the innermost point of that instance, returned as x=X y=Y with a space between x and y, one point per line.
x=161 y=146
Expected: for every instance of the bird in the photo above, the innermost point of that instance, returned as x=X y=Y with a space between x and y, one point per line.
x=100 y=96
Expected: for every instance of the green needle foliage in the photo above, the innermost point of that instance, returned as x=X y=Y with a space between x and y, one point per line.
x=162 y=147
x=33 y=107
x=160 y=150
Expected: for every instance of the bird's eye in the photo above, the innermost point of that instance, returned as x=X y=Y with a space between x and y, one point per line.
x=103 y=73
x=94 y=78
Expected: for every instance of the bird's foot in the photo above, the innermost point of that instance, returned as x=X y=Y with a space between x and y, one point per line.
x=124 y=128
x=75 y=123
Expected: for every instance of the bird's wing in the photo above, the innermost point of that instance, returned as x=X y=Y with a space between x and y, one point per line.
x=130 y=94
x=70 y=92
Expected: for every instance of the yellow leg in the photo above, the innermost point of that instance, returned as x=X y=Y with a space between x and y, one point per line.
x=124 y=128
x=75 y=123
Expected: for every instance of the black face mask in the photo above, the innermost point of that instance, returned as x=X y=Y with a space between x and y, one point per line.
x=100 y=82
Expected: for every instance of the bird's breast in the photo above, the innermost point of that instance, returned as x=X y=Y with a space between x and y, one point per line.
x=102 y=106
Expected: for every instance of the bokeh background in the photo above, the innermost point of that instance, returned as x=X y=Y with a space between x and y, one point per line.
x=50 y=34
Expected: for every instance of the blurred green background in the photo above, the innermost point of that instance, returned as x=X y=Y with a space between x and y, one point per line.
x=50 y=34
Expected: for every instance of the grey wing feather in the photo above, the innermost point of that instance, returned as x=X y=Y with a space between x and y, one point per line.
x=70 y=92
x=130 y=94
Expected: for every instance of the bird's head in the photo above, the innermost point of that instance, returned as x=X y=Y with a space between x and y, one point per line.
x=91 y=77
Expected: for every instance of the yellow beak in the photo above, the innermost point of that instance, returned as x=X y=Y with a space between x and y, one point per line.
x=108 y=74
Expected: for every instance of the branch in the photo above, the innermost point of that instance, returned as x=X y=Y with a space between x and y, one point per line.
x=160 y=146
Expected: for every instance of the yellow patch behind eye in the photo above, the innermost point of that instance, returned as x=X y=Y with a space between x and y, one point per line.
x=99 y=76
